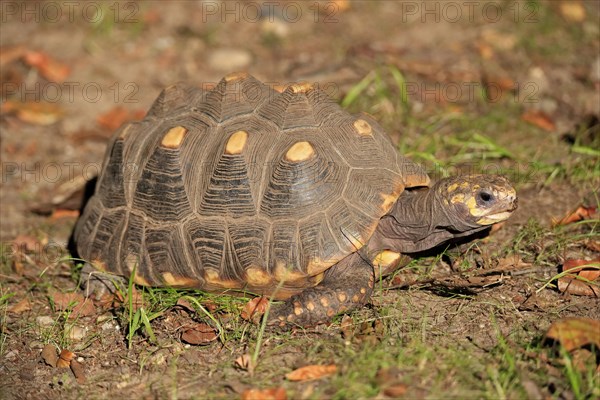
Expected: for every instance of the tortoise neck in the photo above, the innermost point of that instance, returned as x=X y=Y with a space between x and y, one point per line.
x=415 y=223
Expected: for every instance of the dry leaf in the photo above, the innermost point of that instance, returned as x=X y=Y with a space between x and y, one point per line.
x=200 y=334
x=539 y=119
x=48 y=67
x=396 y=390
x=575 y=332
x=49 y=355
x=264 y=394
x=27 y=243
x=63 y=213
x=581 y=281
x=579 y=214
x=255 y=308
x=23 y=305
x=78 y=371
x=38 y=113
x=185 y=304
x=593 y=245
x=311 y=372
x=572 y=10
x=117 y=116
x=80 y=305
x=64 y=360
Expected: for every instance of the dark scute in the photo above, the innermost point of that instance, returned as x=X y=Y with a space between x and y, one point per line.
x=160 y=192
x=228 y=192
x=207 y=237
x=296 y=188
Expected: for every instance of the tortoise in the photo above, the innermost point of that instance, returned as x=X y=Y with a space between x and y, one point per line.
x=247 y=189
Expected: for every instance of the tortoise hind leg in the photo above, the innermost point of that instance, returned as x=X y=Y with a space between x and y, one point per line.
x=96 y=283
x=346 y=286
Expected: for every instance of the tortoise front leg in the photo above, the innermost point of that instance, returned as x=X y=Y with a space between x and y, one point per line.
x=346 y=286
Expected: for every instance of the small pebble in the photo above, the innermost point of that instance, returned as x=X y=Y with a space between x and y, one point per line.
x=107 y=326
x=44 y=320
x=77 y=333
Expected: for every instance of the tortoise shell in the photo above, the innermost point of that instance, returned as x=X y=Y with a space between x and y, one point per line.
x=240 y=187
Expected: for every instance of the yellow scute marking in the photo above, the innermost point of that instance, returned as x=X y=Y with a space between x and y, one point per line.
x=234 y=76
x=362 y=127
x=236 y=142
x=452 y=187
x=386 y=258
x=178 y=281
x=140 y=280
x=257 y=276
x=213 y=278
x=285 y=274
x=174 y=137
x=301 y=87
x=299 y=152
x=388 y=200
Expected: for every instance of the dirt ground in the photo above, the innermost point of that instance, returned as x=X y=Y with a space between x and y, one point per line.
x=485 y=86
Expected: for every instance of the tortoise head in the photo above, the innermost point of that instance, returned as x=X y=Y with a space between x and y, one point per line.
x=472 y=201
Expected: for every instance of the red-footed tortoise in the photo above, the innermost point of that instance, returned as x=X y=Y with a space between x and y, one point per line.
x=246 y=189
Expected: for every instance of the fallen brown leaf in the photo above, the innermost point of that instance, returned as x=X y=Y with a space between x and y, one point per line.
x=47 y=66
x=581 y=281
x=572 y=285
x=396 y=390
x=264 y=394
x=579 y=214
x=64 y=359
x=27 y=243
x=49 y=355
x=80 y=306
x=23 y=305
x=117 y=116
x=539 y=119
x=38 y=113
x=78 y=371
x=185 y=304
x=255 y=308
x=201 y=333
x=311 y=372
x=63 y=213
x=575 y=332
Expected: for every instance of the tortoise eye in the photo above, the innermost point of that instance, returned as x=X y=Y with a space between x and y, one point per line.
x=484 y=197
